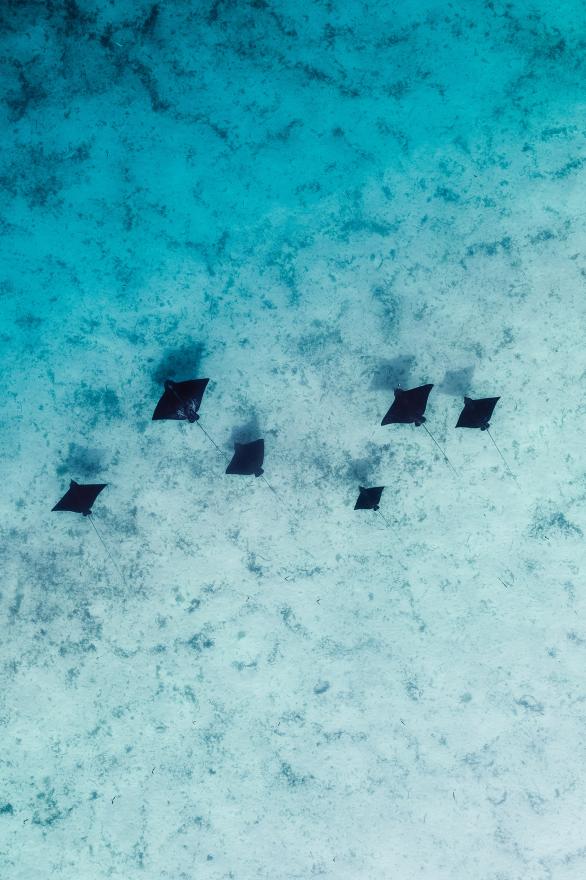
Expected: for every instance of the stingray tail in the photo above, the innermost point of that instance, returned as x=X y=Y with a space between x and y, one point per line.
x=104 y=545
x=281 y=501
x=447 y=460
x=211 y=439
x=292 y=513
x=505 y=462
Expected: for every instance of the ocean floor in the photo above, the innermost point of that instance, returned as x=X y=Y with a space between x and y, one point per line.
x=308 y=203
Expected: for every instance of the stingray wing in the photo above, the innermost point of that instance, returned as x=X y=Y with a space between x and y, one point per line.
x=192 y=391
x=490 y=403
x=418 y=398
x=66 y=503
x=467 y=418
x=235 y=463
x=90 y=492
x=168 y=407
x=361 y=500
x=389 y=417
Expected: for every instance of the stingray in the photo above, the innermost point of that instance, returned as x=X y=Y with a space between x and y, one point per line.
x=369 y=499
x=477 y=414
x=408 y=408
x=181 y=402
x=80 y=498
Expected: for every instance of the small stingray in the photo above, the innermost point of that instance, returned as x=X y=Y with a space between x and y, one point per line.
x=369 y=499
x=181 y=401
x=248 y=459
x=408 y=408
x=477 y=414
x=80 y=498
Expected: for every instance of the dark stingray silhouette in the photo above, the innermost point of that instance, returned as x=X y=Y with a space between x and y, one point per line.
x=369 y=499
x=181 y=400
x=408 y=407
x=80 y=498
x=248 y=459
x=477 y=413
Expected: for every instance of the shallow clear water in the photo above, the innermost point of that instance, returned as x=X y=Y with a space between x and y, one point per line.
x=309 y=203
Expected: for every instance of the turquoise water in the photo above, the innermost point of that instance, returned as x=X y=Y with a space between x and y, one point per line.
x=308 y=203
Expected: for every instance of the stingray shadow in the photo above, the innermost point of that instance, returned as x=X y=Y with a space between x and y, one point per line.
x=179 y=363
x=393 y=374
x=457 y=383
x=82 y=461
x=247 y=432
